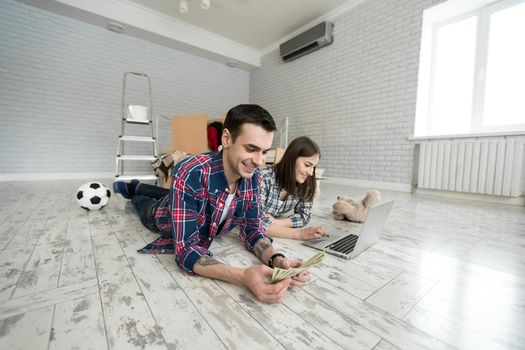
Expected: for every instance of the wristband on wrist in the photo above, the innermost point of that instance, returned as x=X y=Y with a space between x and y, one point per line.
x=270 y=261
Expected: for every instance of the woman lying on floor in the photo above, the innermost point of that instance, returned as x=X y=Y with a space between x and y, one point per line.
x=291 y=184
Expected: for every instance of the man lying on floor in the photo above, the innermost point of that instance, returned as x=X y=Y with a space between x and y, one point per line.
x=211 y=193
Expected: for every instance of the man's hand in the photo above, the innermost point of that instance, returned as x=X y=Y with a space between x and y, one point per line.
x=297 y=280
x=311 y=233
x=254 y=278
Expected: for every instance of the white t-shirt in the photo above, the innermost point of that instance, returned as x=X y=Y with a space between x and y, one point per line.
x=226 y=208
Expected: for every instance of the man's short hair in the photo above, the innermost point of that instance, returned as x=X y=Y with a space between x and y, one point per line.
x=247 y=113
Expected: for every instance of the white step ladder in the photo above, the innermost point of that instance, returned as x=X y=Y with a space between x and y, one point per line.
x=141 y=116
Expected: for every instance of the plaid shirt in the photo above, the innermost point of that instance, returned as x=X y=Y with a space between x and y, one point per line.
x=273 y=205
x=188 y=218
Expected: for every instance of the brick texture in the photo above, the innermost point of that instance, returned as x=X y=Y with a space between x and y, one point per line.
x=61 y=83
x=356 y=97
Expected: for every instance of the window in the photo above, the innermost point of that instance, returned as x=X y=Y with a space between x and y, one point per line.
x=472 y=69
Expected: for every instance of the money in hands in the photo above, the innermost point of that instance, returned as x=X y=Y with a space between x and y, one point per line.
x=281 y=274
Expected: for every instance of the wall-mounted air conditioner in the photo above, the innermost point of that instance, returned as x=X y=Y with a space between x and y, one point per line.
x=308 y=41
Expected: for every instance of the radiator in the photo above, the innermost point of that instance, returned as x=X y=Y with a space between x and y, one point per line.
x=485 y=166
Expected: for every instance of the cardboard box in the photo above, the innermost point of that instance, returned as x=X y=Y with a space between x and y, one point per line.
x=189 y=133
x=279 y=152
x=274 y=155
x=164 y=166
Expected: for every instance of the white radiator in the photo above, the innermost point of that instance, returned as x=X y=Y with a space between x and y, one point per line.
x=477 y=166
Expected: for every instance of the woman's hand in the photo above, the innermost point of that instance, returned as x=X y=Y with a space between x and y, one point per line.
x=311 y=232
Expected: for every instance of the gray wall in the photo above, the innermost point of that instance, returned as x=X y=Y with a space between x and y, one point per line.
x=356 y=97
x=60 y=90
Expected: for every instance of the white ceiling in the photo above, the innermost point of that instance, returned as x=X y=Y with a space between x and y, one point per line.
x=255 y=23
x=230 y=30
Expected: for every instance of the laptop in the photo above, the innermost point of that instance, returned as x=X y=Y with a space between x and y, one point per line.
x=347 y=245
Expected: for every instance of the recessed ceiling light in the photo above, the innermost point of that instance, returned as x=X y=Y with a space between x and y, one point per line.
x=205 y=4
x=183 y=6
x=115 y=27
x=232 y=64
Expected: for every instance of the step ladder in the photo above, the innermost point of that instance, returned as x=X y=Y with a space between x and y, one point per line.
x=141 y=116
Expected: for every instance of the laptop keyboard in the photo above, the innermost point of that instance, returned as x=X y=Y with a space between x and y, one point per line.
x=344 y=245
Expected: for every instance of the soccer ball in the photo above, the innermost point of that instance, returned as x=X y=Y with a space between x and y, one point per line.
x=93 y=196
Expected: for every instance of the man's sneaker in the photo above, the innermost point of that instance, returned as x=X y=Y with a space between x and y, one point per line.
x=123 y=188
x=134 y=184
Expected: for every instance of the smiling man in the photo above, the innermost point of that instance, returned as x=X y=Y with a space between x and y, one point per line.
x=211 y=193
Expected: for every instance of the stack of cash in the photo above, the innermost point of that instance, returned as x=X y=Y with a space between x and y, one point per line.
x=281 y=274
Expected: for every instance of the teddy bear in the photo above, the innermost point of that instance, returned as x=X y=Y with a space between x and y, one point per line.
x=345 y=208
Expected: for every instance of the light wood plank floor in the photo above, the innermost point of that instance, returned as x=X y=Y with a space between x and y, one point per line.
x=446 y=274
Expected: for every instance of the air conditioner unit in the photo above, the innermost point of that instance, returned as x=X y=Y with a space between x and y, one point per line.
x=308 y=41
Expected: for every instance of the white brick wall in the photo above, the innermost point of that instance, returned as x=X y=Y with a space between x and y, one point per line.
x=356 y=97
x=60 y=90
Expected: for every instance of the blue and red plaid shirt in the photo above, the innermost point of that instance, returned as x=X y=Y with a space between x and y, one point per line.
x=272 y=204
x=188 y=218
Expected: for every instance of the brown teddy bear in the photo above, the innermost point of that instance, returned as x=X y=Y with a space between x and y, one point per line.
x=347 y=208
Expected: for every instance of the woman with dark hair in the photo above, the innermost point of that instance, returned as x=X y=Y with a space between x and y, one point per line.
x=291 y=184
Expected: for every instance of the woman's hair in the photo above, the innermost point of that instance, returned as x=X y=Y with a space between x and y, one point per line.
x=285 y=170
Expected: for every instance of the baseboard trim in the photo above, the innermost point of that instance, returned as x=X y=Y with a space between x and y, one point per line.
x=378 y=185
x=55 y=176
x=520 y=201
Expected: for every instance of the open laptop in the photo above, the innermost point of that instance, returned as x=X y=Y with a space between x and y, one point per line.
x=347 y=245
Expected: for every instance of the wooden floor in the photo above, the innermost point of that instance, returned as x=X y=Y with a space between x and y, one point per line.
x=447 y=273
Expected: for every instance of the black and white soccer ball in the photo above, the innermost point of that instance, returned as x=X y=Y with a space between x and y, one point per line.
x=93 y=196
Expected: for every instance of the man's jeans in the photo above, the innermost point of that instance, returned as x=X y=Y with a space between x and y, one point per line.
x=145 y=201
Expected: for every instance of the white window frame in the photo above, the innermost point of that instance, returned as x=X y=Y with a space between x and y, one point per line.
x=435 y=18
